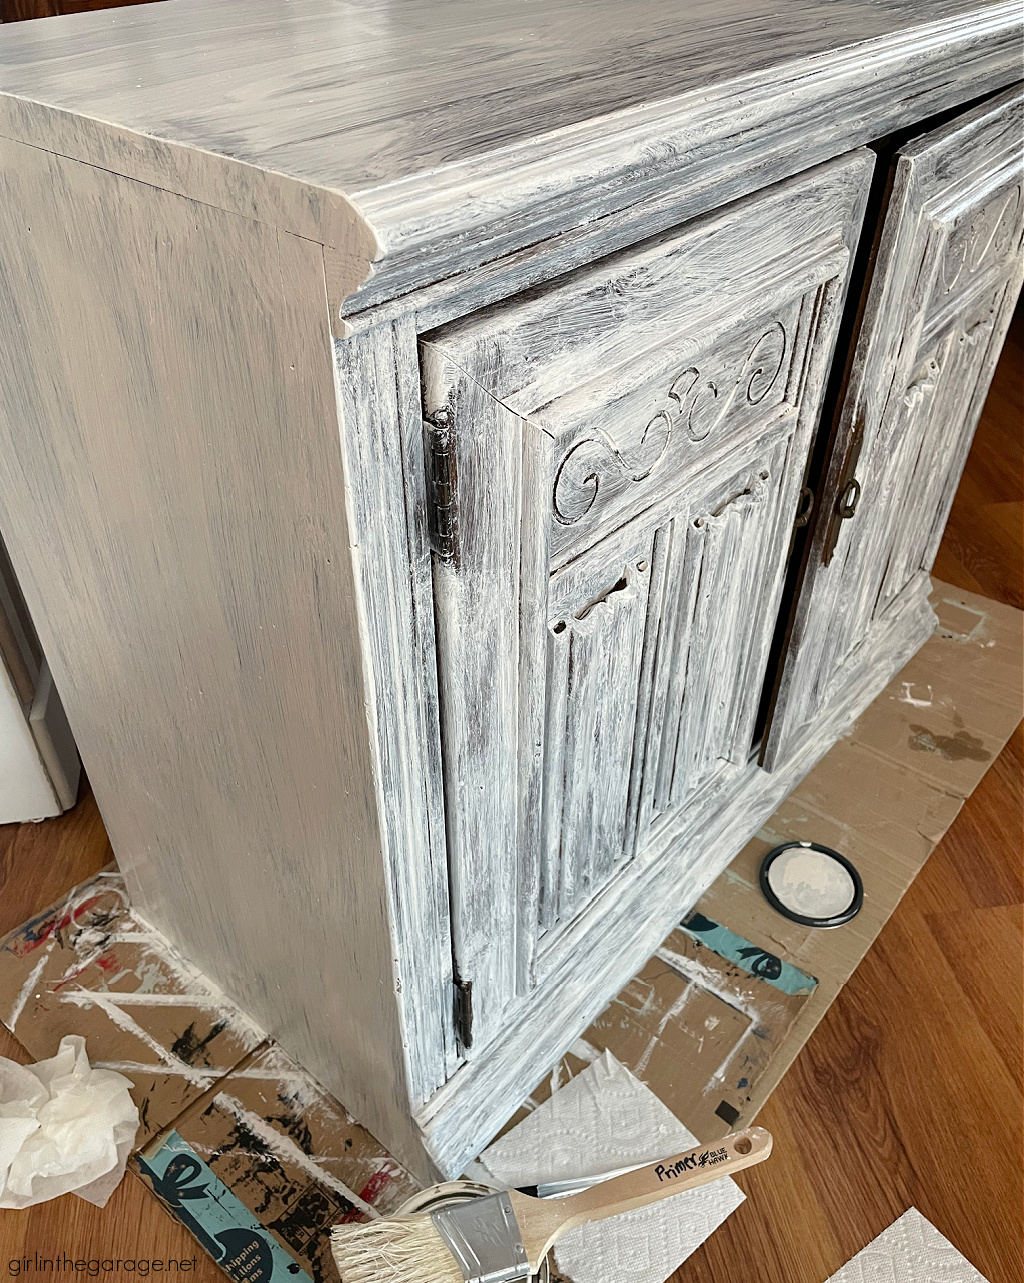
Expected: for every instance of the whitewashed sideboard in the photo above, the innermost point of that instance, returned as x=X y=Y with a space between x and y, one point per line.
x=467 y=461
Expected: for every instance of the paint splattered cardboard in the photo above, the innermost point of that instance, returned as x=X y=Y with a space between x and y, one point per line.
x=88 y=965
x=237 y=1141
x=290 y=1162
x=700 y=1024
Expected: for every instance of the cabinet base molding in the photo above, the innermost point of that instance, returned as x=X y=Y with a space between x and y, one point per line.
x=464 y=1115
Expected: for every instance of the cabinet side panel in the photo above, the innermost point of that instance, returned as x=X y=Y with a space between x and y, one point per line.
x=173 y=498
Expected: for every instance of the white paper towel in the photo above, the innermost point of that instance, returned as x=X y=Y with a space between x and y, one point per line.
x=600 y=1120
x=64 y=1127
x=911 y=1250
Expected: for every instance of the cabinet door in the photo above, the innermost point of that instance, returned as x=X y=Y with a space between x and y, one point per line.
x=946 y=276
x=616 y=464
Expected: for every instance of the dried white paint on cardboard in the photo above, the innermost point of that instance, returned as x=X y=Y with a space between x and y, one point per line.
x=601 y=1120
x=811 y=883
x=911 y=1250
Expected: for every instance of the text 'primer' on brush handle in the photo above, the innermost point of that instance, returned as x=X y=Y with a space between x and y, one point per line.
x=542 y=1222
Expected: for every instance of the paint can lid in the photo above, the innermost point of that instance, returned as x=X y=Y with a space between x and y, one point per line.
x=811 y=884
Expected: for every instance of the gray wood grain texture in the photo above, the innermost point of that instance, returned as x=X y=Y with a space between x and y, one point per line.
x=424 y=137
x=693 y=440
x=946 y=277
x=381 y=426
x=236 y=587
x=172 y=493
x=465 y=1114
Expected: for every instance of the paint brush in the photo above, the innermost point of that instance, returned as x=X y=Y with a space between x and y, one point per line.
x=504 y=1238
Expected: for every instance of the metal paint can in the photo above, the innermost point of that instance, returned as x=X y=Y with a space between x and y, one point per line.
x=452 y=1192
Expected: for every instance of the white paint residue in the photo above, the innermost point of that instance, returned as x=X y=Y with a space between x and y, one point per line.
x=710 y=980
x=159 y=967
x=811 y=883
x=275 y=1065
x=603 y=1119
x=705 y=978
x=584 y=1050
x=135 y=1067
x=285 y=1148
x=27 y=987
x=673 y=1012
x=910 y=1251
x=83 y=998
x=907 y=698
x=191 y=981
x=81 y=961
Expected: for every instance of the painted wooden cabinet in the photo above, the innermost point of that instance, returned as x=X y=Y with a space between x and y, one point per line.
x=943 y=285
x=459 y=507
x=620 y=458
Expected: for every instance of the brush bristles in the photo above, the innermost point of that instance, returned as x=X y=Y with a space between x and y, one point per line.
x=402 y=1249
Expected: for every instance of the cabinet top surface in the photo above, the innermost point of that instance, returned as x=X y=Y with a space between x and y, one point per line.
x=355 y=94
x=416 y=112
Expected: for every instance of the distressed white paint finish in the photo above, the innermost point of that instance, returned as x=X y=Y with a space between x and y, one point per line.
x=688 y=854
x=241 y=617
x=598 y=630
x=422 y=137
x=661 y=494
x=947 y=274
x=173 y=497
x=382 y=440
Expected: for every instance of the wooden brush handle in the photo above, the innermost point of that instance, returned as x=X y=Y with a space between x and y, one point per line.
x=543 y=1221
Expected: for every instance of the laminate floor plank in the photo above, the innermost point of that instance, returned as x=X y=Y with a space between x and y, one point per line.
x=983 y=948
x=132 y=1226
x=40 y=862
x=906 y=1095
x=984 y=850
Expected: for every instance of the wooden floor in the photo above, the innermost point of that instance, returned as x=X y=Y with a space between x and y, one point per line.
x=909 y=1092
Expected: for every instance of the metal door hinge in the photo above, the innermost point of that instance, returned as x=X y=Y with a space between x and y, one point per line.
x=442 y=482
x=464 y=1013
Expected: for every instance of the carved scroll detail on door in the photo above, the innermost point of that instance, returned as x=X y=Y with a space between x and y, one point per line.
x=578 y=478
x=980 y=239
x=699 y=404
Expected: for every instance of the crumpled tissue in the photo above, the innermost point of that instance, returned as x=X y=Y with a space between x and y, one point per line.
x=64 y=1127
